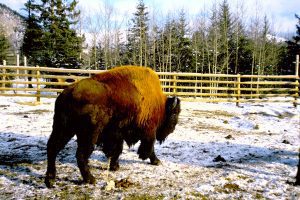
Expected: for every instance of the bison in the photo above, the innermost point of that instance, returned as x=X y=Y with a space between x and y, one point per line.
x=123 y=104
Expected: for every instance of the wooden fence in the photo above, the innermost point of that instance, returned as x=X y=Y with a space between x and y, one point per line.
x=45 y=82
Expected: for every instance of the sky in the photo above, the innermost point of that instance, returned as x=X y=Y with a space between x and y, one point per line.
x=281 y=13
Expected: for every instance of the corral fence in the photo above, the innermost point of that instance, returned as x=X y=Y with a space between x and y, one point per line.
x=44 y=82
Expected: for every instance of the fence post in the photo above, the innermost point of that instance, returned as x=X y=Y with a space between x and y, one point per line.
x=25 y=65
x=38 y=86
x=25 y=61
x=257 y=85
x=238 y=86
x=297 y=65
x=3 y=77
x=297 y=82
x=196 y=85
x=18 y=64
x=174 y=85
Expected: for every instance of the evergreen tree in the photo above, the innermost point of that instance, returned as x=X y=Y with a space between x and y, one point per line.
x=243 y=57
x=224 y=22
x=32 y=43
x=293 y=49
x=50 y=39
x=184 y=47
x=61 y=43
x=138 y=37
x=241 y=48
x=99 y=63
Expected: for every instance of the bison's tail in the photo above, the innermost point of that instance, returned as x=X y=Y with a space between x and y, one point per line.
x=62 y=114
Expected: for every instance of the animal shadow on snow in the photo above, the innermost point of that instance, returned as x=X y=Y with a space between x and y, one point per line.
x=236 y=156
x=18 y=152
x=21 y=154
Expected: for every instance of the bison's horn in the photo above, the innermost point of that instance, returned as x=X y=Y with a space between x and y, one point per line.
x=175 y=102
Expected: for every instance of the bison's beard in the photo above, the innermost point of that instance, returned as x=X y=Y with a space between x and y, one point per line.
x=167 y=127
x=171 y=119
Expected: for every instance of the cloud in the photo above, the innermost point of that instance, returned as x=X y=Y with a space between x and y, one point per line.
x=280 y=12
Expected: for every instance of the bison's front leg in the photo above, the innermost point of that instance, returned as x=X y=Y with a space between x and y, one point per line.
x=146 y=148
x=154 y=160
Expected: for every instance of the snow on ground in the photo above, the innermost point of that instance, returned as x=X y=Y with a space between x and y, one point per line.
x=218 y=151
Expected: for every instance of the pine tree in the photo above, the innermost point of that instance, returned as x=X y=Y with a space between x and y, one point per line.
x=99 y=62
x=184 y=49
x=293 y=49
x=213 y=38
x=50 y=39
x=226 y=37
x=32 y=43
x=138 y=36
x=241 y=47
x=61 y=43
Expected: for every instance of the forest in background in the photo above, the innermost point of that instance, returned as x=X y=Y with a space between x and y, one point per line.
x=219 y=39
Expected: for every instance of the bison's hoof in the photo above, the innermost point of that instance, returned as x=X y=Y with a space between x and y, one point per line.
x=90 y=180
x=143 y=155
x=50 y=179
x=114 y=167
x=155 y=162
x=49 y=182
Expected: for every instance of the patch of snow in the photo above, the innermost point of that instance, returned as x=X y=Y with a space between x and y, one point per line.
x=259 y=142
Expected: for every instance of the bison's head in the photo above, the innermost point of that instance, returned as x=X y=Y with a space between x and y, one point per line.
x=171 y=118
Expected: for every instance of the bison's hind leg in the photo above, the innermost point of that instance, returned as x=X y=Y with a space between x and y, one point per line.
x=84 y=151
x=57 y=141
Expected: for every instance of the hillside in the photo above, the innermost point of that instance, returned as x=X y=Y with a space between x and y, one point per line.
x=13 y=24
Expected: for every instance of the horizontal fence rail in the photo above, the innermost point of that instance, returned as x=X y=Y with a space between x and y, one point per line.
x=45 y=82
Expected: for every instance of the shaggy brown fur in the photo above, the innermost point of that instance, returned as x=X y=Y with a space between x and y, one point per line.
x=125 y=103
